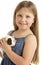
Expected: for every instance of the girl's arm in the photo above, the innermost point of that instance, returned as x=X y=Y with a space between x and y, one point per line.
x=28 y=52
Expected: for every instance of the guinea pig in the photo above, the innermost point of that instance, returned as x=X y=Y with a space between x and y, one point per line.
x=10 y=41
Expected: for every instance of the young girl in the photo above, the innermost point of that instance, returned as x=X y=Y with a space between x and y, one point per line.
x=25 y=50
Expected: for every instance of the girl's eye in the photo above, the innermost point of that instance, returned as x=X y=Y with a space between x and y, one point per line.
x=20 y=15
x=27 y=16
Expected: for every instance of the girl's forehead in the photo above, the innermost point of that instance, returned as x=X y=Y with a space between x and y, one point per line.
x=24 y=9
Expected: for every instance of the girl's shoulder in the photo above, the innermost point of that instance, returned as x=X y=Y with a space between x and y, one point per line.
x=30 y=36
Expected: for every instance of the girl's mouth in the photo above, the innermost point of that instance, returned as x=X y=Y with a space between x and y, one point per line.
x=22 y=23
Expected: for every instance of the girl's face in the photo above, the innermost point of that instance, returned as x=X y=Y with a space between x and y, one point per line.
x=24 y=18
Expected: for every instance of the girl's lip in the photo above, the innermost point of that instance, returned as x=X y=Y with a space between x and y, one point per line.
x=22 y=24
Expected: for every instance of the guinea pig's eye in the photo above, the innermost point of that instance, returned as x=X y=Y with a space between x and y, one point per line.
x=9 y=41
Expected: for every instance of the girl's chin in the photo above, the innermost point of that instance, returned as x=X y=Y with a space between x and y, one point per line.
x=23 y=28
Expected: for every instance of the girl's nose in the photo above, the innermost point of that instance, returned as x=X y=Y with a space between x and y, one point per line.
x=23 y=19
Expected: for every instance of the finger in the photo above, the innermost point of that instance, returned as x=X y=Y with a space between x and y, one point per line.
x=0 y=45
x=1 y=42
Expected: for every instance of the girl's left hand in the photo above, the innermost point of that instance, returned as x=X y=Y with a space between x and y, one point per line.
x=4 y=45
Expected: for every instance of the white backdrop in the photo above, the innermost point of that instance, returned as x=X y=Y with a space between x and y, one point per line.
x=6 y=20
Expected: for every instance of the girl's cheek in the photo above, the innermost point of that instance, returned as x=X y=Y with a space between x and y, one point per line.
x=18 y=19
x=30 y=20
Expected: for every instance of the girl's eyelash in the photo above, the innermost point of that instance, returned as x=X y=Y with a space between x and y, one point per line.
x=20 y=15
x=28 y=16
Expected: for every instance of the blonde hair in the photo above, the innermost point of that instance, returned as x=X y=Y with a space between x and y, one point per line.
x=34 y=26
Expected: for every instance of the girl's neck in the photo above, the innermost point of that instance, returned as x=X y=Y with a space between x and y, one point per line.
x=27 y=31
x=21 y=31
